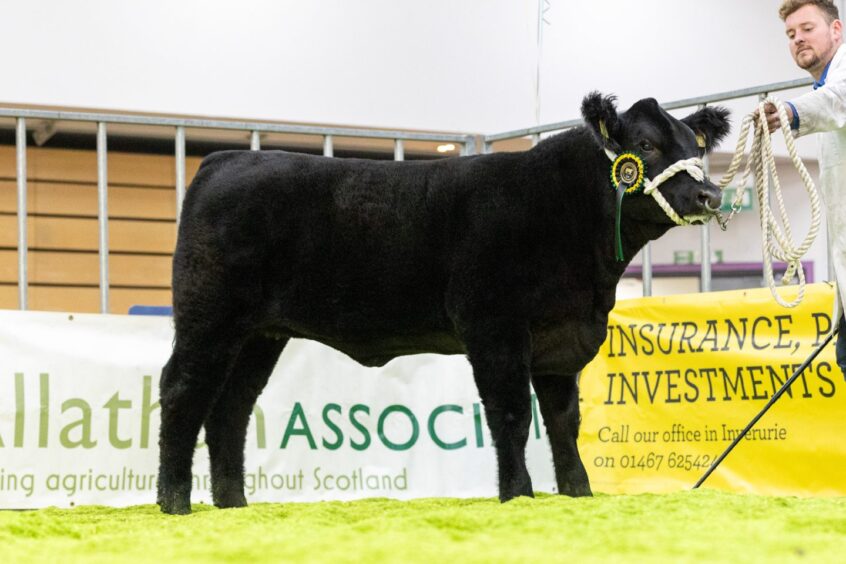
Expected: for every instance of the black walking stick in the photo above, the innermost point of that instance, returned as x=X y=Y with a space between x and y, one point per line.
x=770 y=403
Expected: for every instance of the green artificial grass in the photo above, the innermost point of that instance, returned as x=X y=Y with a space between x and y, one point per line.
x=682 y=527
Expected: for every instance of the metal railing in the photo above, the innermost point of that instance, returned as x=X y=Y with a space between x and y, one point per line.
x=465 y=141
x=698 y=102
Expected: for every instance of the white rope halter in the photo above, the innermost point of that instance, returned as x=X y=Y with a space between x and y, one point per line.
x=776 y=243
x=693 y=166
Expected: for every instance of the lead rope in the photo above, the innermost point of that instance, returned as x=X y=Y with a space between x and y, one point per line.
x=776 y=243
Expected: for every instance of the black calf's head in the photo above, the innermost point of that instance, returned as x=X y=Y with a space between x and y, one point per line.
x=660 y=140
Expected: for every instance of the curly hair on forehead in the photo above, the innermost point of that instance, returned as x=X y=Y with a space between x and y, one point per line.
x=827 y=7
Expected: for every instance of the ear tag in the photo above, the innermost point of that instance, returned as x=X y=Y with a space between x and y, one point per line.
x=700 y=140
x=628 y=169
x=603 y=130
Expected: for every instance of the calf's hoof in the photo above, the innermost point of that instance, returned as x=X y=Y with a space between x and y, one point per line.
x=522 y=489
x=174 y=503
x=227 y=501
x=228 y=491
x=576 y=490
x=175 y=507
x=505 y=499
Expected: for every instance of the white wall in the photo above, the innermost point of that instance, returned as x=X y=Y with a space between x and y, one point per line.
x=438 y=64
x=466 y=65
x=660 y=48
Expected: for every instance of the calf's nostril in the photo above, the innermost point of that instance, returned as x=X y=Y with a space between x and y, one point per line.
x=709 y=200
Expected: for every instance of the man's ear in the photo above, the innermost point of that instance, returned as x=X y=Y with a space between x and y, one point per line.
x=600 y=115
x=710 y=125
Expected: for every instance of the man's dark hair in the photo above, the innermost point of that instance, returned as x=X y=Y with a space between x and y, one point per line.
x=827 y=7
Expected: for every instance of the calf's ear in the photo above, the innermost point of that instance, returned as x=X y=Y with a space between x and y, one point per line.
x=710 y=125
x=600 y=115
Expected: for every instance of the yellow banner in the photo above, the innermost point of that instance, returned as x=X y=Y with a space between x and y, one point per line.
x=679 y=377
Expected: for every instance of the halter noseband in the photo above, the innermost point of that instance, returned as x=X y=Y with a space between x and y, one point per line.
x=628 y=176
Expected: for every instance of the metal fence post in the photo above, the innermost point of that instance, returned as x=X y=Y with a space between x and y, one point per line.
x=255 y=141
x=646 y=269
x=469 y=147
x=23 y=249
x=328 y=148
x=828 y=255
x=180 y=171
x=103 y=215
x=399 y=150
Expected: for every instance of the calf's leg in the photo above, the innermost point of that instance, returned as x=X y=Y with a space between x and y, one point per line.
x=558 y=396
x=500 y=361
x=191 y=382
x=226 y=424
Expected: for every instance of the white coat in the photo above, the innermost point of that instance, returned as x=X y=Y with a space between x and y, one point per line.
x=823 y=111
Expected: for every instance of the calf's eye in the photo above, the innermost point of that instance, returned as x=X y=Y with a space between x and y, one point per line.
x=646 y=146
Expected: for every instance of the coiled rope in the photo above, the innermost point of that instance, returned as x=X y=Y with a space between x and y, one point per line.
x=776 y=241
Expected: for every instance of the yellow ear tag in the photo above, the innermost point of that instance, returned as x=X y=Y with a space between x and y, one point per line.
x=603 y=130
x=700 y=139
x=628 y=169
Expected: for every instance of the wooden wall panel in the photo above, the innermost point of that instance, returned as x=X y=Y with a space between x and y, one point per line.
x=75 y=165
x=82 y=234
x=62 y=227
x=82 y=300
x=48 y=267
x=81 y=200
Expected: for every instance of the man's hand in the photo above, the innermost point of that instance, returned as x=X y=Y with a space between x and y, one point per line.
x=771 y=113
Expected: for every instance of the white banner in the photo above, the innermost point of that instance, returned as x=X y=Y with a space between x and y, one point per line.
x=79 y=421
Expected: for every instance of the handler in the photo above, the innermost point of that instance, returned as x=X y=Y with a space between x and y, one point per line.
x=815 y=37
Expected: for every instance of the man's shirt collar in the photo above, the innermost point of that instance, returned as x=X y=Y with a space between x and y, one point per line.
x=821 y=82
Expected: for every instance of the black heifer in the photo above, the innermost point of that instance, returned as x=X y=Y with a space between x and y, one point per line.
x=507 y=258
